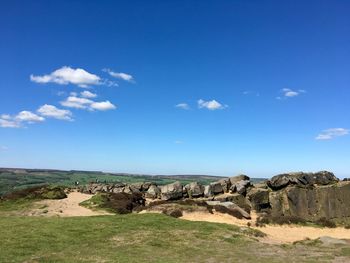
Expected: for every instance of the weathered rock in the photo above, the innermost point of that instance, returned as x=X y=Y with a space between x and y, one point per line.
x=241 y=186
x=131 y=189
x=239 y=200
x=329 y=201
x=327 y=241
x=241 y=177
x=213 y=189
x=229 y=208
x=302 y=179
x=194 y=189
x=259 y=198
x=146 y=186
x=225 y=184
x=171 y=191
x=153 y=192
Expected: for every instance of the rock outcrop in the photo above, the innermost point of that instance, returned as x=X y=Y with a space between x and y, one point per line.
x=301 y=179
x=310 y=196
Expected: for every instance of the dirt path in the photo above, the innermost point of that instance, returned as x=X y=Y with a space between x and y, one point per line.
x=65 y=207
x=275 y=233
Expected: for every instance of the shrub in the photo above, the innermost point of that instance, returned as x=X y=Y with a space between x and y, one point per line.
x=325 y=222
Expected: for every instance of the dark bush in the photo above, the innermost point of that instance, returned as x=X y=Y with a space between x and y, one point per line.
x=173 y=212
x=325 y=222
x=37 y=192
x=122 y=203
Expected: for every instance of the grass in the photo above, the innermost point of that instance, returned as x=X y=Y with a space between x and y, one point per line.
x=137 y=238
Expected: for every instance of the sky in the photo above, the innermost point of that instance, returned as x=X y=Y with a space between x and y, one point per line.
x=176 y=87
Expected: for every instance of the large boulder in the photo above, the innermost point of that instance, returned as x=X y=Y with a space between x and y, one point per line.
x=302 y=179
x=153 y=192
x=241 y=177
x=259 y=198
x=171 y=191
x=194 y=189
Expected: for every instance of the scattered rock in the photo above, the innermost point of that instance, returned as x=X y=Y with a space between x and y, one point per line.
x=259 y=198
x=326 y=240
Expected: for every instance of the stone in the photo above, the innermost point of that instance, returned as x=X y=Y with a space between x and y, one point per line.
x=194 y=189
x=171 y=191
x=225 y=184
x=241 y=177
x=229 y=208
x=302 y=179
x=259 y=198
x=327 y=241
x=241 y=186
x=153 y=192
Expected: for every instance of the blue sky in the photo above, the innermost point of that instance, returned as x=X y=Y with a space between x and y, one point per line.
x=170 y=87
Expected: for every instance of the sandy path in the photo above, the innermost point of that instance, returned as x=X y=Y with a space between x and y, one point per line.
x=275 y=233
x=66 y=207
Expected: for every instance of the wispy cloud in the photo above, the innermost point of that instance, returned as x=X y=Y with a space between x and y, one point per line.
x=51 y=111
x=67 y=75
x=332 y=133
x=251 y=93
x=88 y=94
x=211 y=105
x=289 y=93
x=183 y=106
x=178 y=142
x=120 y=75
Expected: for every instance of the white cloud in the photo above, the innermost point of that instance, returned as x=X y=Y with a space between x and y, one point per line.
x=67 y=75
x=27 y=116
x=120 y=75
x=332 y=133
x=88 y=94
x=84 y=103
x=103 y=105
x=178 y=142
x=76 y=102
x=53 y=112
x=289 y=93
x=9 y=124
x=5 y=116
x=183 y=106
x=211 y=105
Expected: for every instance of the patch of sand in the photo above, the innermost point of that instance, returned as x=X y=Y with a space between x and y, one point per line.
x=275 y=233
x=66 y=207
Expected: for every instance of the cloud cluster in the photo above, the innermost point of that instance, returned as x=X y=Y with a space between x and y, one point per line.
x=85 y=100
x=28 y=117
x=67 y=75
x=202 y=104
x=73 y=101
x=332 y=133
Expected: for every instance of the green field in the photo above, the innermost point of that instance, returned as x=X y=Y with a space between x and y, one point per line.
x=13 y=179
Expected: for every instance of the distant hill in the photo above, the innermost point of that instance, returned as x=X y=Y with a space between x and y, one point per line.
x=17 y=178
